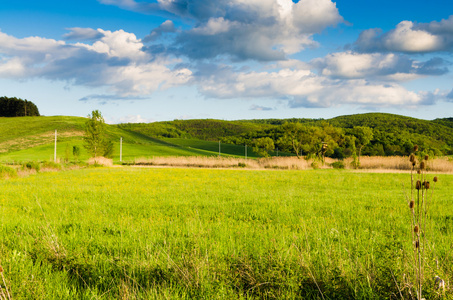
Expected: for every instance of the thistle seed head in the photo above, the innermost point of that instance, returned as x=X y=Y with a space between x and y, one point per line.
x=435 y=179
x=415 y=148
x=426 y=157
x=411 y=204
x=422 y=165
x=413 y=163
x=1 y=269
x=412 y=158
x=426 y=185
x=416 y=229
x=418 y=185
x=417 y=244
x=419 y=172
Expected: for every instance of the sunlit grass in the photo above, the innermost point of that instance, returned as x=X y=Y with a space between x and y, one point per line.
x=215 y=234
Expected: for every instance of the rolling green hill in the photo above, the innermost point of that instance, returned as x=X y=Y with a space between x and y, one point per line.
x=32 y=138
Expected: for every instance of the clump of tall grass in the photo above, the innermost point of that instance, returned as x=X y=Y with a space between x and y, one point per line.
x=100 y=161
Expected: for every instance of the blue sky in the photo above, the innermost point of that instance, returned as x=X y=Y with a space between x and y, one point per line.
x=155 y=60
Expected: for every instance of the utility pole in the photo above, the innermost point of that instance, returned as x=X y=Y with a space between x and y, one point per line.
x=55 y=149
x=121 y=149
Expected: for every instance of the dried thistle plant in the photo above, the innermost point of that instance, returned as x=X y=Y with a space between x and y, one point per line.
x=419 y=208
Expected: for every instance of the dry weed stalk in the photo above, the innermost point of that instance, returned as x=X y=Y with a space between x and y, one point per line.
x=419 y=207
x=3 y=295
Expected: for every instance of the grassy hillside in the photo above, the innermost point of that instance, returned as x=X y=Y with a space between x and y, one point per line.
x=207 y=129
x=32 y=138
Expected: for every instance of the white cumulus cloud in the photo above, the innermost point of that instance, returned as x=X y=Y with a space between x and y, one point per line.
x=116 y=61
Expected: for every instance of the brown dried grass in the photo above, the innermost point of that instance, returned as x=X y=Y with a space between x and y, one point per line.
x=106 y=162
x=401 y=163
x=373 y=163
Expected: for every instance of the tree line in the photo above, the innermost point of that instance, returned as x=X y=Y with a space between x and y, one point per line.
x=373 y=134
x=16 y=107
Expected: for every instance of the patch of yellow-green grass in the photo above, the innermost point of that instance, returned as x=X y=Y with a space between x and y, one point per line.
x=108 y=233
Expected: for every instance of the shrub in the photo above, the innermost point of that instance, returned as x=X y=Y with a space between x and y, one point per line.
x=338 y=165
x=7 y=172
x=50 y=165
x=31 y=165
x=315 y=165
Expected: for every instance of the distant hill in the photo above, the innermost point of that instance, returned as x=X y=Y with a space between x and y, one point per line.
x=32 y=138
x=393 y=134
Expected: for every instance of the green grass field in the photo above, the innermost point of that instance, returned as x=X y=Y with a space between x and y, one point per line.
x=125 y=233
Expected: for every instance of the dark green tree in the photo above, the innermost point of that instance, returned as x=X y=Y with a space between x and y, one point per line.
x=95 y=139
x=15 y=107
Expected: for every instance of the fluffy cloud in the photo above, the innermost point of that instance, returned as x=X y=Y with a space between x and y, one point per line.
x=166 y=27
x=78 y=33
x=388 y=66
x=303 y=88
x=263 y=30
x=116 y=61
x=409 y=37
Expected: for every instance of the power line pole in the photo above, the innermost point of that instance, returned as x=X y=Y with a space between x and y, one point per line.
x=55 y=148
x=121 y=149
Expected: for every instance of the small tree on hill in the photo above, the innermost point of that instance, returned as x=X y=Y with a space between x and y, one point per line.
x=263 y=146
x=95 y=141
x=363 y=136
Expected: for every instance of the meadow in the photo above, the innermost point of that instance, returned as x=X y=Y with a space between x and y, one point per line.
x=179 y=233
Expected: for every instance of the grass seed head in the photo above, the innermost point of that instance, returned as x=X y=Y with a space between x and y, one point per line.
x=435 y=179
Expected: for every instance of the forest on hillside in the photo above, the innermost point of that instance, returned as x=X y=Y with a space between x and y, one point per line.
x=373 y=134
x=16 y=107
